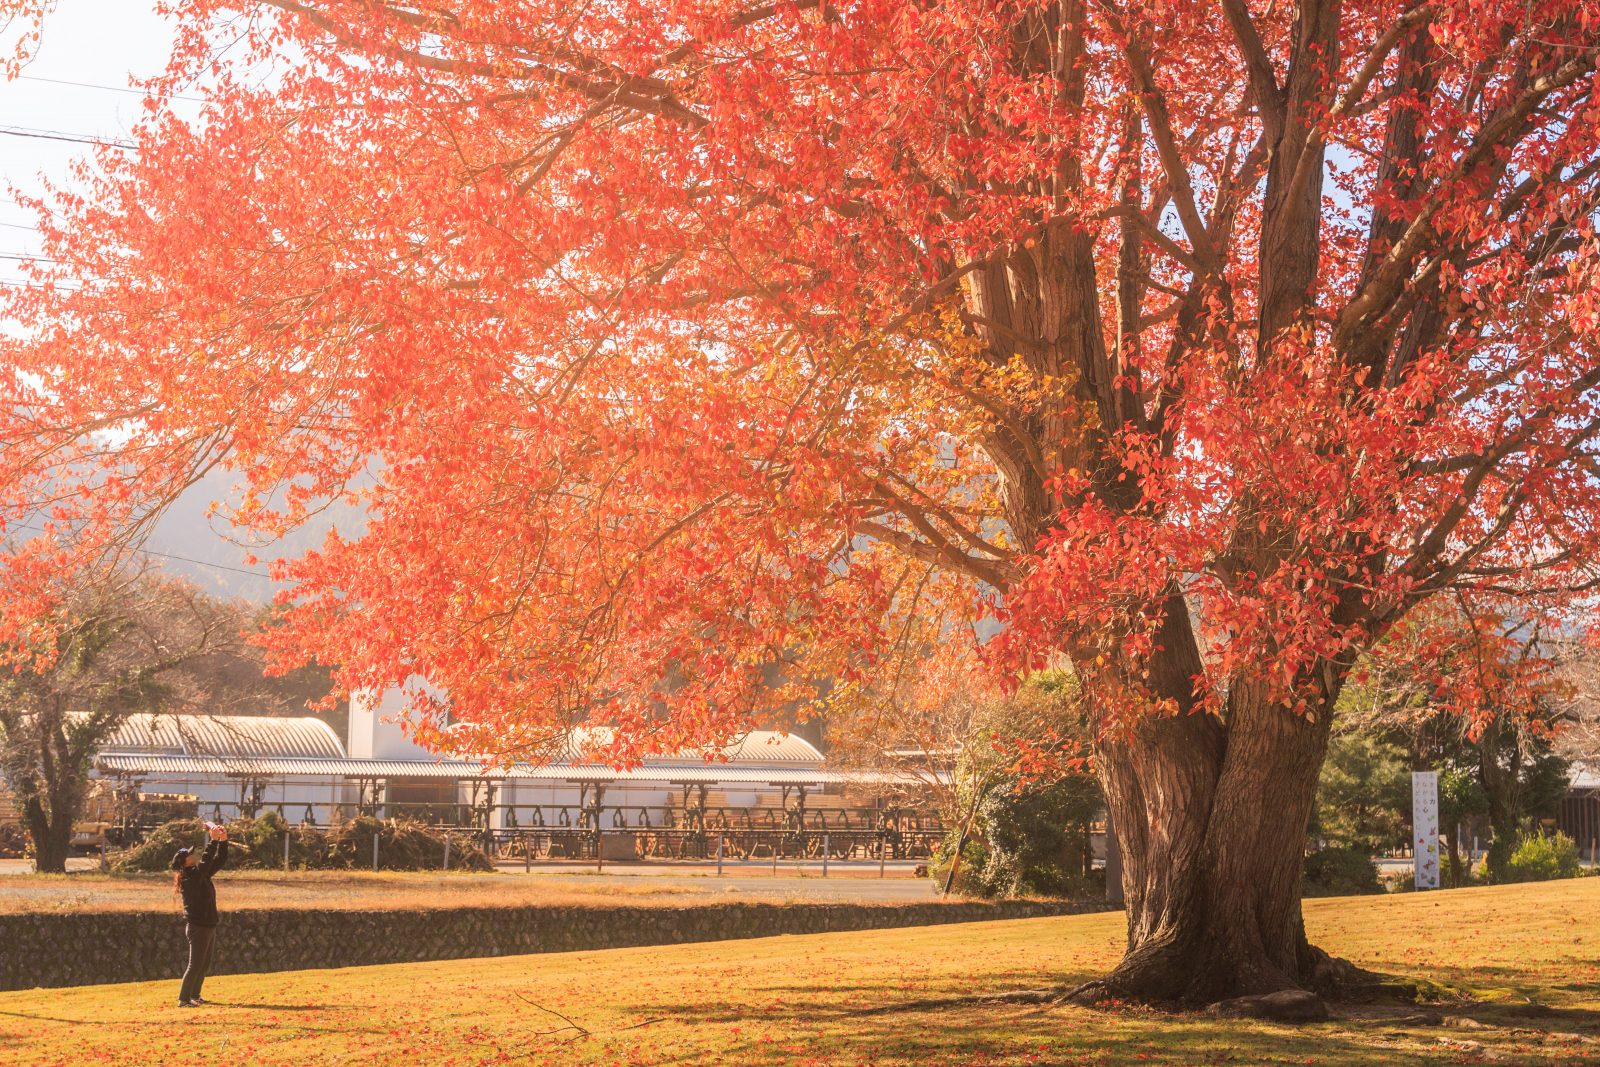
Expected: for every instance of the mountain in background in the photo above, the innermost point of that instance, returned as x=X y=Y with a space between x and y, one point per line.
x=211 y=553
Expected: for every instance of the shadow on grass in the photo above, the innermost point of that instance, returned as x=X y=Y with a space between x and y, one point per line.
x=842 y=1023
x=1530 y=1016
x=31 y=1017
x=1579 y=987
x=167 y=1023
x=976 y=1033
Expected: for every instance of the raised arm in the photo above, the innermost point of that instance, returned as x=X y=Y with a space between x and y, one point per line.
x=215 y=855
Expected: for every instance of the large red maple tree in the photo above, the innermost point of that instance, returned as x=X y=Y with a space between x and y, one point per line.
x=703 y=340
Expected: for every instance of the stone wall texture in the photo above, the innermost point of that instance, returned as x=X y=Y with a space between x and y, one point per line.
x=86 y=949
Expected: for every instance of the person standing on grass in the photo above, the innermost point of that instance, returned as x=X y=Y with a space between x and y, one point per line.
x=192 y=879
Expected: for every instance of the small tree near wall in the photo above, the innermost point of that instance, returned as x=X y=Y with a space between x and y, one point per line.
x=119 y=645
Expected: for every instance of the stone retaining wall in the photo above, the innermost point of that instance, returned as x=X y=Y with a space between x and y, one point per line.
x=86 y=949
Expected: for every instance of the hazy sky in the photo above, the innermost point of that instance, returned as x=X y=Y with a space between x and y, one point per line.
x=92 y=42
x=98 y=45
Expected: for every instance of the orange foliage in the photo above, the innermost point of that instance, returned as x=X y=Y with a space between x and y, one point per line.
x=670 y=347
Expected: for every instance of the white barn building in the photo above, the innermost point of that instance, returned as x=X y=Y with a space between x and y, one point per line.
x=301 y=768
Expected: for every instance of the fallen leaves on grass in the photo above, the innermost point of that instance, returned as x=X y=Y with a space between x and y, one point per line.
x=797 y=1001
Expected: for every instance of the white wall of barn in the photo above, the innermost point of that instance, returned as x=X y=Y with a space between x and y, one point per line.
x=376 y=732
x=322 y=797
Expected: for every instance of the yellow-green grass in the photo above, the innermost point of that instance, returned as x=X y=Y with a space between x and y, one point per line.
x=367 y=890
x=809 y=1000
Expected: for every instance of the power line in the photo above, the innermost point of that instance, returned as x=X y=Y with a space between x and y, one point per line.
x=27 y=257
x=8 y=283
x=169 y=555
x=19 y=203
x=105 y=88
x=59 y=135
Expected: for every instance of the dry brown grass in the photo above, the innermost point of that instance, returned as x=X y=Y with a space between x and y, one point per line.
x=1520 y=964
x=365 y=891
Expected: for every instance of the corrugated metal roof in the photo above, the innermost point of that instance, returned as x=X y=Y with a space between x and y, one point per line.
x=163 y=765
x=1584 y=777
x=252 y=736
x=758 y=746
x=769 y=746
x=310 y=738
x=276 y=767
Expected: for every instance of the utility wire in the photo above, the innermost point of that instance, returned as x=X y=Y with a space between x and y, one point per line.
x=167 y=555
x=19 y=203
x=59 y=135
x=105 y=88
x=10 y=284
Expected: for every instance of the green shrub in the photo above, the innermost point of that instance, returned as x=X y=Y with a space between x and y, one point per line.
x=257 y=843
x=1363 y=794
x=403 y=845
x=1542 y=858
x=254 y=843
x=1339 y=872
x=14 y=841
x=1038 y=839
x=1403 y=882
x=1031 y=841
x=154 y=853
x=969 y=880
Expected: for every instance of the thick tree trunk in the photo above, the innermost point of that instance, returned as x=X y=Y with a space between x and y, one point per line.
x=52 y=839
x=1457 y=876
x=1501 y=787
x=1213 y=852
x=1211 y=818
x=1210 y=811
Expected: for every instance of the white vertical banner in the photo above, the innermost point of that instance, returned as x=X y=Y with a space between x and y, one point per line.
x=1425 y=828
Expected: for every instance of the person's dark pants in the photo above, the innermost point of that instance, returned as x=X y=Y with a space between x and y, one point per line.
x=202 y=939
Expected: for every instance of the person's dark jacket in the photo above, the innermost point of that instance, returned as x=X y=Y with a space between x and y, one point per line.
x=199 y=895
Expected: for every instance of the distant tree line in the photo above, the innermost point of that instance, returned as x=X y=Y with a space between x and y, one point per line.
x=1502 y=771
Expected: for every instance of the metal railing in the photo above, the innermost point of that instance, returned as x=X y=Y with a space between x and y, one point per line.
x=556 y=832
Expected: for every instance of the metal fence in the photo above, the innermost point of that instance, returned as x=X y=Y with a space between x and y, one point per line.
x=567 y=833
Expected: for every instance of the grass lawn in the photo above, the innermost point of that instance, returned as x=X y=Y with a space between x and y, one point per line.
x=1522 y=964
x=368 y=890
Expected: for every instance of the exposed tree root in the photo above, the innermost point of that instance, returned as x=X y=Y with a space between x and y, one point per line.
x=1326 y=979
x=1338 y=979
x=1048 y=995
x=1089 y=994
